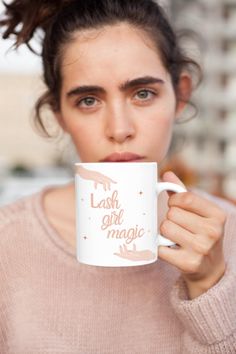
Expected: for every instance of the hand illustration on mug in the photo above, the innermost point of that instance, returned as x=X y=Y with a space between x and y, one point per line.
x=96 y=177
x=134 y=254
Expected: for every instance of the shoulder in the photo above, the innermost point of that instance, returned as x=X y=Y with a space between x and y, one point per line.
x=17 y=227
x=16 y=217
x=11 y=213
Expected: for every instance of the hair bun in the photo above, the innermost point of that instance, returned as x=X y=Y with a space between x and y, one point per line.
x=23 y=17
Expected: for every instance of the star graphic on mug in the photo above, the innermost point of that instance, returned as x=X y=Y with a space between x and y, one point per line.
x=140 y=192
x=85 y=237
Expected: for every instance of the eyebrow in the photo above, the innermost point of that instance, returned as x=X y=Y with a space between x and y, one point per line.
x=123 y=87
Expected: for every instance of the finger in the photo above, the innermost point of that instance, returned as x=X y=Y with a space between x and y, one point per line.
x=125 y=248
x=185 y=262
x=198 y=243
x=170 y=176
x=108 y=186
x=193 y=222
x=177 y=234
x=196 y=204
x=111 y=180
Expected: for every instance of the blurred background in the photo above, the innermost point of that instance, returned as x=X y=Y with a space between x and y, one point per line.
x=204 y=152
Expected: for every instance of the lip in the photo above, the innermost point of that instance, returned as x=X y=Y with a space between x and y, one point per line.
x=123 y=157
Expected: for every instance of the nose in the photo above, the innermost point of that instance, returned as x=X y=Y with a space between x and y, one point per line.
x=119 y=125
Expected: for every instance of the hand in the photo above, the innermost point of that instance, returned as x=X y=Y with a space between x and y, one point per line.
x=99 y=178
x=95 y=176
x=196 y=225
x=134 y=254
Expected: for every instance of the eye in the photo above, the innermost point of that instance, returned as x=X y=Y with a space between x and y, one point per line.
x=86 y=102
x=145 y=94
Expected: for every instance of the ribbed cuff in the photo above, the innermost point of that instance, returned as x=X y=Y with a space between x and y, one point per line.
x=211 y=317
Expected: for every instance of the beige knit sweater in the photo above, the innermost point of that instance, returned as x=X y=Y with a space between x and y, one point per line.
x=50 y=303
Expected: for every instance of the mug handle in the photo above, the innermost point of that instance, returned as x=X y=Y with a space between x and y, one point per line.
x=167 y=186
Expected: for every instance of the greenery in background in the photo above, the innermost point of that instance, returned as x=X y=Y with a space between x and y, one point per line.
x=21 y=170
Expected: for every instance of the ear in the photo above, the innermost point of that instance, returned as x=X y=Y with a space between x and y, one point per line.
x=184 y=91
x=60 y=121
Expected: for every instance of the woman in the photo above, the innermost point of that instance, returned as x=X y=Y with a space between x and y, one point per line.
x=117 y=80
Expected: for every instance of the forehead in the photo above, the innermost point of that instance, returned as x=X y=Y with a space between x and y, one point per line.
x=117 y=50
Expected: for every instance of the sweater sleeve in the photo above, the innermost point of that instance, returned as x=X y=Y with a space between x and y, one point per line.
x=2 y=308
x=7 y=215
x=209 y=320
x=2 y=322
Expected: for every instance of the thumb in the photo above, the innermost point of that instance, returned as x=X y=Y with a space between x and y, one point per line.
x=170 y=176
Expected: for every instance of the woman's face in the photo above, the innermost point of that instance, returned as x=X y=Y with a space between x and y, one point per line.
x=116 y=96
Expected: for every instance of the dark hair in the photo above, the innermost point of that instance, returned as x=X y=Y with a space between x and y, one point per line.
x=59 y=19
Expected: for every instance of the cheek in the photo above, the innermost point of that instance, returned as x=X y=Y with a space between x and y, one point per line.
x=159 y=132
x=85 y=139
x=76 y=127
x=161 y=122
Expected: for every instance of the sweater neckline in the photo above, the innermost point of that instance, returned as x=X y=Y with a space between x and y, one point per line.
x=64 y=250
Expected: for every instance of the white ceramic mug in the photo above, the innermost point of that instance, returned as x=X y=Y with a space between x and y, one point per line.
x=116 y=213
